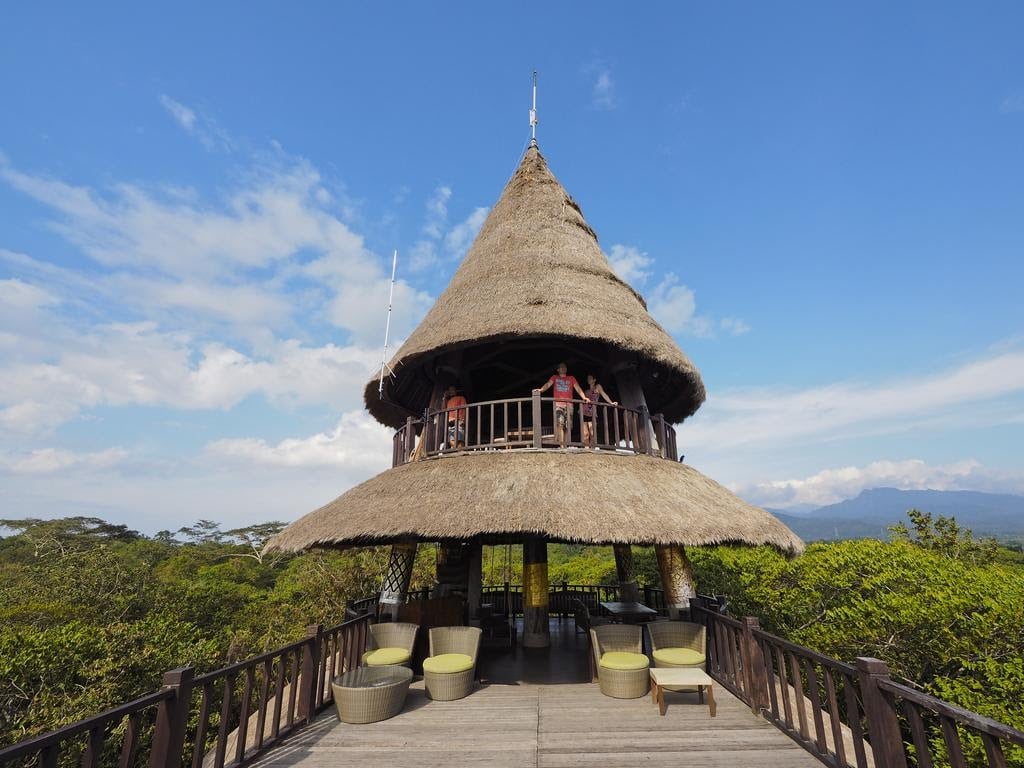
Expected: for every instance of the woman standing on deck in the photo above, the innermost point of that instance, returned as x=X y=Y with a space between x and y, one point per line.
x=589 y=410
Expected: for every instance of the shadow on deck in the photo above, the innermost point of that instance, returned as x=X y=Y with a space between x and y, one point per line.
x=537 y=708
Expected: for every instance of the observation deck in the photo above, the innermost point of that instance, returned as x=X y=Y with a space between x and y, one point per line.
x=512 y=424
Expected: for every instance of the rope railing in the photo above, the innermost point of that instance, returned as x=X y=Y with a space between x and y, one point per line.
x=533 y=422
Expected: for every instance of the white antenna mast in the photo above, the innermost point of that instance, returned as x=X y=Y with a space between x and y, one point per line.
x=387 y=329
x=533 y=112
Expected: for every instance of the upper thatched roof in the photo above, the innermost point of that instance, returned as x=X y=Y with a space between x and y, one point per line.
x=536 y=271
x=590 y=497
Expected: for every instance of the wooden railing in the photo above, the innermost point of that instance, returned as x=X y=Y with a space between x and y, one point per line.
x=217 y=719
x=847 y=715
x=562 y=597
x=529 y=422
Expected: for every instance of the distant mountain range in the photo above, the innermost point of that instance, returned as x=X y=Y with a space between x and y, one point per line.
x=873 y=511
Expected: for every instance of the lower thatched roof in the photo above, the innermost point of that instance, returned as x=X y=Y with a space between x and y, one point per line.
x=588 y=497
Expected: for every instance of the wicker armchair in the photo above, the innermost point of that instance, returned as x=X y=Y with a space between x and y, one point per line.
x=449 y=670
x=622 y=668
x=390 y=643
x=678 y=644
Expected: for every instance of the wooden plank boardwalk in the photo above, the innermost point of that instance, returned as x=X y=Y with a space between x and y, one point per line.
x=524 y=724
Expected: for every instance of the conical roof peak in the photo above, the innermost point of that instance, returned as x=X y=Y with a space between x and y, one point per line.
x=536 y=271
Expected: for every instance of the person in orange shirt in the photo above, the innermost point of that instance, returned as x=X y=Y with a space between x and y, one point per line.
x=564 y=385
x=457 y=417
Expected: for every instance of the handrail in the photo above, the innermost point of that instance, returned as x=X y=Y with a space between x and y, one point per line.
x=846 y=715
x=219 y=718
x=530 y=423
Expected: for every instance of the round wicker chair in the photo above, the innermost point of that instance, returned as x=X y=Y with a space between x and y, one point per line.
x=390 y=643
x=678 y=644
x=622 y=668
x=449 y=670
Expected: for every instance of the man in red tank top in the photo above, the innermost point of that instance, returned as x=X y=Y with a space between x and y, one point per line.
x=564 y=385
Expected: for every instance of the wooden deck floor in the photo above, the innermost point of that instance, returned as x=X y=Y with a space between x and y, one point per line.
x=568 y=724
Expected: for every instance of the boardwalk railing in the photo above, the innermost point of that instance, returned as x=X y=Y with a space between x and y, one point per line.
x=217 y=719
x=848 y=715
x=529 y=422
x=507 y=599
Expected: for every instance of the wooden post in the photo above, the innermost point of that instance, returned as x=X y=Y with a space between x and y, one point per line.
x=629 y=591
x=662 y=432
x=676 y=578
x=754 y=667
x=172 y=719
x=536 y=631
x=410 y=440
x=536 y=418
x=310 y=671
x=396 y=580
x=475 y=586
x=880 y=711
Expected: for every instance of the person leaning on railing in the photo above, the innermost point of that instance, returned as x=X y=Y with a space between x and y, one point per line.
x=564 y=385
x=589 y=410
x=457 y=417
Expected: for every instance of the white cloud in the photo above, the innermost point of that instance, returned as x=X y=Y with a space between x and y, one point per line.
x=630 y=263
x=835 y=484
x=184 y=116
x=441 y=243
x=1012 y=103
x=771 y=417
x=356 y=442
x=733 y=325
x=460 y=237
x=197 y=124
x=603 y=95
x=49 y=460
x=674 y=306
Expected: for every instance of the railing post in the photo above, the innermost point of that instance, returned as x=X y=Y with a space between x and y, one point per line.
x=754 y=665
x=310 y=671
x=172 y=719
x=645 y=431
x=880 y=711
x=410 y=440
x=428 y=435
x=536 y=420
x=663 y=448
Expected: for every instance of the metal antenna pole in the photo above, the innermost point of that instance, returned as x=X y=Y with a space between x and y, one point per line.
x=533 y=111
x=387 y=327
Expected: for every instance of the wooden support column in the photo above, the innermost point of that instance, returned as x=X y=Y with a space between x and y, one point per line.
x=476 y=584
x=397 y=577
x=536 y=632
x=676 y=578
x=629 y=592
x=631 y=395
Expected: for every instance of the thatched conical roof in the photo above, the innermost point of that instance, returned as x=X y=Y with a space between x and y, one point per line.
x=596 y=497
x=536 y=271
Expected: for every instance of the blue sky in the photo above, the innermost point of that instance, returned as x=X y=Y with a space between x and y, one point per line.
x=823 y=204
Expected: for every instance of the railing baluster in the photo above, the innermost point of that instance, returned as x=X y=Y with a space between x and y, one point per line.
x=243 y=716
x=993 y=751
x=225 y=718
x=951 y=736
x=815 y=695
x=264 y=702
x=293 y=688
x=853 y=715
x=780 y=658
x=798 y=689
x=833 y=716
x=131 y=741
x=769 y=666
x=93 y=748
x=275 y=727
x=922 y=749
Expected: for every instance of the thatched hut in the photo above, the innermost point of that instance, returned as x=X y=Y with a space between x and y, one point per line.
x=534 y=290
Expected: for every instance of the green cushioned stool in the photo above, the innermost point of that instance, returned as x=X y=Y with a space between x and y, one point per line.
x=448 y=663
x=678 y=657
x=624 y=660
x=384 y=656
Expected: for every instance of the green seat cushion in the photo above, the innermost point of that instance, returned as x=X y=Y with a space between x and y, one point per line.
x=383 y=656
x=679 y=657
x=448 y=663
x=624 y=660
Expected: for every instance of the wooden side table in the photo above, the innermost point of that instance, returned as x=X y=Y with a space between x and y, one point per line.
x=671 y=677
